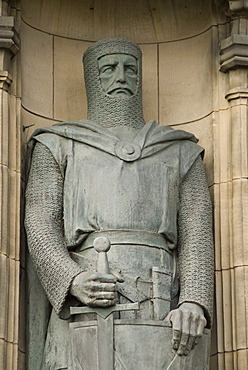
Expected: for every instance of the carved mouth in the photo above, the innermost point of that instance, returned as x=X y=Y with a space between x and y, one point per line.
x=120 y=90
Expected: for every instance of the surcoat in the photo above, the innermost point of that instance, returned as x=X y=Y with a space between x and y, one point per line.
x=128 y=189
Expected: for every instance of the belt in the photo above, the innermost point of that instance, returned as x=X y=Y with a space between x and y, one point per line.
x=127 y=237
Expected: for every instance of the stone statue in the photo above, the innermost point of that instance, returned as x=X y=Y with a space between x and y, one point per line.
x=113 y=183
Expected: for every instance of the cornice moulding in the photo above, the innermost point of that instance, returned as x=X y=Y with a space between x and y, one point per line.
x=9 y=38
x=234 y=52
x=237 y=93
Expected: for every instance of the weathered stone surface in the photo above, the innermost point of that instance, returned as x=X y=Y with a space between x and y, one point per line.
x=117 y=207
x=144 y=22
x=183 y=90
x=37 y=82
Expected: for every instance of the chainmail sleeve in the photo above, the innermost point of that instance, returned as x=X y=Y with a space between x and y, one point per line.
x=44 y=227
x=195 y=243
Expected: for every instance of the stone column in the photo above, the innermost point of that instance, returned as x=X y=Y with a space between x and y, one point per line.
x=231 y=194
x=9 y=188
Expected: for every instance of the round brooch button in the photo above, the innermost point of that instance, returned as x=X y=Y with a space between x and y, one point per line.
x=128 y=149
x=128 y=152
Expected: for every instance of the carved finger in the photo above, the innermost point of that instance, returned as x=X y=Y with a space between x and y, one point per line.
x=190 y=345
x=201 y=325
x=102 y=287
x=105 y=295
x=185 y=332
x=193 y=326
x=176 y=337
x=182 y=350
x=175 y=319
x=104 y=278
x=118 y=275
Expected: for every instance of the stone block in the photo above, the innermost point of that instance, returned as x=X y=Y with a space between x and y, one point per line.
x=219 y=311
x=2 y=353
x=4 y=128
x=185 y=79
x=13 y=301
x=227 y=287
x=220 y=80
x=150 y=81
x=4 y=203
x=239 y=141
x=222 y=146
x=239 y=219
x=4 y=285
x=37 y=71
x=217 y=222
x=11 y=355
x=239 y=301
x=13 y=213
x=242 y=362
x=225 y=201
x=12 y=133
x=229 y=361
x=69 y=90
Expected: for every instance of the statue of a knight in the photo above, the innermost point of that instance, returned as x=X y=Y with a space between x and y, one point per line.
x=141 y=187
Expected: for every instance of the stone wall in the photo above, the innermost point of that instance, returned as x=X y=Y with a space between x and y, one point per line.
x=183 y=87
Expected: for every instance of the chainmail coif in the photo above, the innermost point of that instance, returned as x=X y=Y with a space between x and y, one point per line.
x=104 y=109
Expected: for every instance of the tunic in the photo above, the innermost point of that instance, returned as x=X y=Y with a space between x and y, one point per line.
x=107 y=185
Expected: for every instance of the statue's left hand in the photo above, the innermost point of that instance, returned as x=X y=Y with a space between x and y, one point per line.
x=188 y=322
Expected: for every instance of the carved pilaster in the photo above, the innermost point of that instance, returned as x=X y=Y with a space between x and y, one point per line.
x=9 y=193
x=232 y=194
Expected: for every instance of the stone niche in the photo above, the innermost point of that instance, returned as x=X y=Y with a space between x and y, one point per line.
x=179 y=41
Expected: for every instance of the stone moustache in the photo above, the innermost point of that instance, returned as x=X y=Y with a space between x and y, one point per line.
x=114 y=181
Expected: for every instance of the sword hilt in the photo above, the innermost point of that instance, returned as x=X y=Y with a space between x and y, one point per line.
x=102 y=246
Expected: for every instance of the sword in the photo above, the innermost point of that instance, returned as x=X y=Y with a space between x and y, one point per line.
x=105 y=321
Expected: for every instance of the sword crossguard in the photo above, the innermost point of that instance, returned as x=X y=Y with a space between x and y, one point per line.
x=102 y=246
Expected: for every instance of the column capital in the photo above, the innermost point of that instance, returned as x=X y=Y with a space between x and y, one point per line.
x=9 y=47
x=233 y=8
x=9 y=38
x=234 y=49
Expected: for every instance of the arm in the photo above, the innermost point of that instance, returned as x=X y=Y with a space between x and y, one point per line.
x=195 y=260
x=58 y=273
x=44 y=227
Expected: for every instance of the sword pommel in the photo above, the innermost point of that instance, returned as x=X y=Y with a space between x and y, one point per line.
x=102 y=246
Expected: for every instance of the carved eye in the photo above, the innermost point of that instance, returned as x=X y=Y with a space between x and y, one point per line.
x=131 y=70
x=107 y=70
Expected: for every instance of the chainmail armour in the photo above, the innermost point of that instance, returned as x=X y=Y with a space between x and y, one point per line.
x=104 y=109
x=44 y=225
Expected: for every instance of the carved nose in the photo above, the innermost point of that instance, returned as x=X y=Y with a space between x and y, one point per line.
x=120 y=75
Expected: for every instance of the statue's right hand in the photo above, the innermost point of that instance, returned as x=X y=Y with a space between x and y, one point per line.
x=95 y=289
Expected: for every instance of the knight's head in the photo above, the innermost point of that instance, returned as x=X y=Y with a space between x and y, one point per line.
x=112 y=70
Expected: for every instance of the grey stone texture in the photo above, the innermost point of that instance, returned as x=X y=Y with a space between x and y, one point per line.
x=143 y=187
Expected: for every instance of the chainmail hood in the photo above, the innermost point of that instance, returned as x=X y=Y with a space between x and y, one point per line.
x=104 y=109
